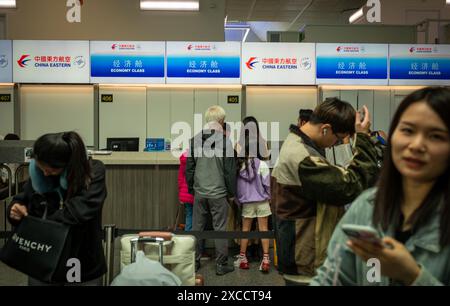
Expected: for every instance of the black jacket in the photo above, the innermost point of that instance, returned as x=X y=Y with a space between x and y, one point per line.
x=83 y=212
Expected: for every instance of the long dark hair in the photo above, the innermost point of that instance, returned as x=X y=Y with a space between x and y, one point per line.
x=388 y=200
x=250 y=138
x=65 y=150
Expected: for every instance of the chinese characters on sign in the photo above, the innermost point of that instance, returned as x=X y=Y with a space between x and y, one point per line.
x=193 y=64
x=352 y=64
x=127 y=64
x=281 y=61
x=359 y=68
x=211 y=62
x=419 y=64
x=418 y=68
x=52 y=61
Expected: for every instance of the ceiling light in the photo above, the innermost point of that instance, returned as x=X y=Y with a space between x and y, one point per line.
x=359 y=13
x=7 y=3
x=156 y=5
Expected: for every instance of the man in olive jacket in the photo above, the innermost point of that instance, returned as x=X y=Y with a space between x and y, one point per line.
x=309 y=193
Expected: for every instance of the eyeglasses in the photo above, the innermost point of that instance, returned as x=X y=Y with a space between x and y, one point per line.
x=340 y=139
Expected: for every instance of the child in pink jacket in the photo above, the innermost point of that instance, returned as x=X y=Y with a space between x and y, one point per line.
x=184 y=196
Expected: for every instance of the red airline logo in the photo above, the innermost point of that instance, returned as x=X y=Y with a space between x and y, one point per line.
x=251 y=63
x=23 y=60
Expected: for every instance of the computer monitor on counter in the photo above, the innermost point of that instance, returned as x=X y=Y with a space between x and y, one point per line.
x=123 y=144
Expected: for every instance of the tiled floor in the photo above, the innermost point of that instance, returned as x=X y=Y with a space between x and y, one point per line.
x=251 y=277
x=10 y=277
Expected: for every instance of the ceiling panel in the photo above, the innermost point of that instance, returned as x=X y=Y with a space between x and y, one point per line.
x=287 y=10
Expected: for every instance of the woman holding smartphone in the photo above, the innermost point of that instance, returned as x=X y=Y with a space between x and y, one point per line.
x=410 y=207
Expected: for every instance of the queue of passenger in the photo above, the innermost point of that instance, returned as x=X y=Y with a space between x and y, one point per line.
x=398 y=186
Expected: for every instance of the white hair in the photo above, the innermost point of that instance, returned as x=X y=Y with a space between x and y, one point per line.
x=215 y=113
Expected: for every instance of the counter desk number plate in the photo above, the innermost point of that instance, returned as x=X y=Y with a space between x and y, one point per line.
x=107 y=98
x=5 y=98
x=233 y=99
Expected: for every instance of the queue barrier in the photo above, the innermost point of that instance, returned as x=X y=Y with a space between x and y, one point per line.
x=111 y=233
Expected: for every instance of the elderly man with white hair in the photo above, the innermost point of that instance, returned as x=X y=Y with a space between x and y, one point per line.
x=211 y=178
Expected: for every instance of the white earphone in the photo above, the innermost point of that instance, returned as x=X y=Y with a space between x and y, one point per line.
x=325 y=131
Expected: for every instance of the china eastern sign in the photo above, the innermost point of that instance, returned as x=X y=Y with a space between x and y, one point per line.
x=204 y=62
x=127 y=62
x=5 y=61
x=419 y=64
x=362 y=64
x=278 y=64
x=50 y=61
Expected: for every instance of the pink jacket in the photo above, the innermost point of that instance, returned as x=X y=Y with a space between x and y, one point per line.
x=183 y=195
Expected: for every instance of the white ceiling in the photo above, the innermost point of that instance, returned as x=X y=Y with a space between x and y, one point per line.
x=317 y=11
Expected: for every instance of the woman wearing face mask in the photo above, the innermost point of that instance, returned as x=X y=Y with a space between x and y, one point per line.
x=410 y=207
x=74 y=189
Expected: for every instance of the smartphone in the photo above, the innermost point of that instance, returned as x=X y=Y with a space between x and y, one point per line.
x=362 y=114
x=361 y=232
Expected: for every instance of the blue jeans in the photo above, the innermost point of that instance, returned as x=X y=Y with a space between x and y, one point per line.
x=188 y=211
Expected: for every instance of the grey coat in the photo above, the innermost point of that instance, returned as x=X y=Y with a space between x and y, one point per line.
x=211 y=166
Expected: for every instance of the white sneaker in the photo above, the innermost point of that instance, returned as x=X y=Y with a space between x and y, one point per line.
x=241 y=262
x=265 y=265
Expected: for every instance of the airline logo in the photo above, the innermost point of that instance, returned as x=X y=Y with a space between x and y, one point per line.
x=121 y=47
x=79 y=61
x=306 y=63
x=279 y=63
x=200 y=47
x=47 y=61
x=251 y=63
x=3 y=61
x=423 y=50
x=23 y=61
x=350 y=49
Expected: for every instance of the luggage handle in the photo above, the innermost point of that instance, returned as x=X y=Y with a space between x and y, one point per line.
x=138 y=240
x=167 y=236
x=149 y=239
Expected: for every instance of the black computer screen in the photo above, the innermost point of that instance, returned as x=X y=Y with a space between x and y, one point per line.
x=122 y=144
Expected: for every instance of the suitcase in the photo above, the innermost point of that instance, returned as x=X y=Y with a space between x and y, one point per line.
x=175 y=252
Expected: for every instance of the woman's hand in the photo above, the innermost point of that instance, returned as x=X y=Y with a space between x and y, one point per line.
x=396 y=262
x=18 y=211
x=364 y=125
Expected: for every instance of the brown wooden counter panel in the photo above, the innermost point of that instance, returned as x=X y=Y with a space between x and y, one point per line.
x=142 y=193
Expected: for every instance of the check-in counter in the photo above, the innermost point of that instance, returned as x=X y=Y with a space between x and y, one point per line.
x=142 y=189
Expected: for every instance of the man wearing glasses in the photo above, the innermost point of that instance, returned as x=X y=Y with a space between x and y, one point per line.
x=309 y=193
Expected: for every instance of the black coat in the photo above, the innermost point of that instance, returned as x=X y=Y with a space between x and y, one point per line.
x=83 y=212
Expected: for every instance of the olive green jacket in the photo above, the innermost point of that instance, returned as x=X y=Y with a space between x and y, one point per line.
x=308 y=189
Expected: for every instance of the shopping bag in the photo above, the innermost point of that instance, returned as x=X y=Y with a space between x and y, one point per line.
x=37 y=248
